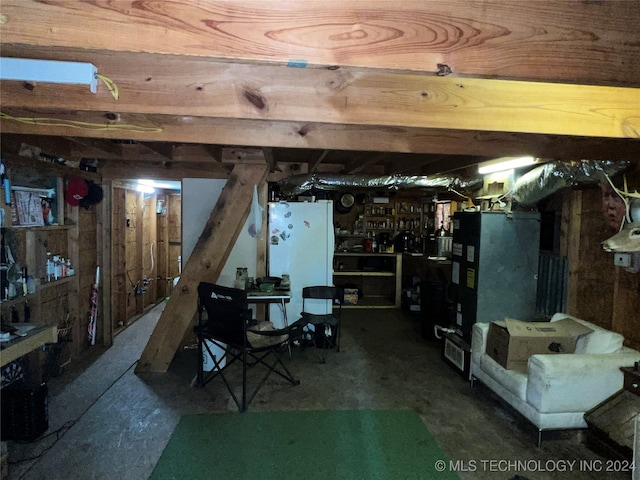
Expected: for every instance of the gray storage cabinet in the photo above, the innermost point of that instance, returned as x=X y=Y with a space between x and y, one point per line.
x=494 y=267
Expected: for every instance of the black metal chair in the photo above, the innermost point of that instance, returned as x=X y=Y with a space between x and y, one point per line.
x=325 y=333
x=228 y=325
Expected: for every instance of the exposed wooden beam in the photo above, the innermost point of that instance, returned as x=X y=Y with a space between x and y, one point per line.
x=113 y=150
x=48 y=145
x=164 y=150
x=163 y=170
x=215 y=151
x=558 y=41
x=204 y=87
x=243 y=154
x=269 y=157
x=313 y=166
x=405 y=163
x=448 y=164
x=332 y=136
x=205 y=264
x=360 y=164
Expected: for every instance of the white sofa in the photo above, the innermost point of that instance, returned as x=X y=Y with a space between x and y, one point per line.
x=557 y=389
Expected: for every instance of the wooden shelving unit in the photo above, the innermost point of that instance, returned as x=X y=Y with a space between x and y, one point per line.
x=377 y=275
x=393 y=218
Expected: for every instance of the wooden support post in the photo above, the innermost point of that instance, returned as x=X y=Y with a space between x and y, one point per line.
x=205 y=264
x=572 y=223
x=103 y=254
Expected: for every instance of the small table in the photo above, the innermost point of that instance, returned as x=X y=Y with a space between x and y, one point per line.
x=280 y=297
x=34 y=336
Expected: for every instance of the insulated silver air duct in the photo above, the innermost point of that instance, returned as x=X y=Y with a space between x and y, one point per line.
x=550 y=177
x=298 y=184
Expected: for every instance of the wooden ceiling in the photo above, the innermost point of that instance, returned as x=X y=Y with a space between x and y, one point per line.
x=381 y=87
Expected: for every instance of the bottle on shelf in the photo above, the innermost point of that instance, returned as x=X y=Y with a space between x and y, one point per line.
x=49 y=269
x=57 y=267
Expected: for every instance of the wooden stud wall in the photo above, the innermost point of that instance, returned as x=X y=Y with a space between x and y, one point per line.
x=598 y=291
x=131 y=251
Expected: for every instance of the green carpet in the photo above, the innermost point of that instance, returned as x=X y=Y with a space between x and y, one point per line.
x=360 y=444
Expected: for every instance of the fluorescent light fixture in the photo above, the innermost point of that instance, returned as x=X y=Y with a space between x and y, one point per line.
x=505 y=163
x=49 y=71
x=145 y=188
x=162 y=184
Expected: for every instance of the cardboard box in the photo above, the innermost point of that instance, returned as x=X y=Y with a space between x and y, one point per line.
x=350 y=296
x=512 y=342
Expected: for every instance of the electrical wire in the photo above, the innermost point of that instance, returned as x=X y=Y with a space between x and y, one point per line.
x=469 y=199
x=111 y=85
x=57 y=122
x=152 y=259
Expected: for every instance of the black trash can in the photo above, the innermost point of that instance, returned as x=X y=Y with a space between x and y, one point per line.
x=25 y=412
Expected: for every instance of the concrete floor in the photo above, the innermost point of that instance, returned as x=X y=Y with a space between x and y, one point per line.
x=114 y=424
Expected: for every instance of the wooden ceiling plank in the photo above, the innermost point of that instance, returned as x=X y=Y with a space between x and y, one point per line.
x=502 y=38
x=204 y=265
x=336 y=136
x=198 y=87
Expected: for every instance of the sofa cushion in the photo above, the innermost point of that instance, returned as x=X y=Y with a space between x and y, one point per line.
x=575 y=382
x=599 y=341
x=512 y=380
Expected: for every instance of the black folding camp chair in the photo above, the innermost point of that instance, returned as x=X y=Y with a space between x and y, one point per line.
x=224 y=319
x=325 y=330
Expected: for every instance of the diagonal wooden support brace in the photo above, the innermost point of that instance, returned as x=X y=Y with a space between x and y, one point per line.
x=205 y=264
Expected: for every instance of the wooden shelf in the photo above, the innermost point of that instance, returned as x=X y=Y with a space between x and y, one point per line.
x=386 y=293
x=19 y=346
x=373 y=301
x=41 y=227
x=54 y=283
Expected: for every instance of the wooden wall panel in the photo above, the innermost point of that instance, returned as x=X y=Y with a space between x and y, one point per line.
x=592 y=275
x=599 y=292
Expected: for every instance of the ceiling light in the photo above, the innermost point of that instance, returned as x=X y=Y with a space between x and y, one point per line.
x=162 y=184
x=145 y=188
x=49 y=71
x=505 y=163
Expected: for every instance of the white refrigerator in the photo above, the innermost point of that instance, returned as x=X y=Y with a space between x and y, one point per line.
x=300 y=244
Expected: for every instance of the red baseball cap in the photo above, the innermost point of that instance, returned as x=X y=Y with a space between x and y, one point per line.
x=77 y=189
